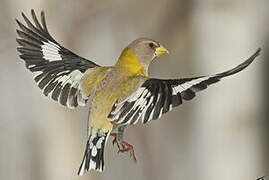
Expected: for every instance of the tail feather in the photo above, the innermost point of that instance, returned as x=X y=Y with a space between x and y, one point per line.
x=94 y=154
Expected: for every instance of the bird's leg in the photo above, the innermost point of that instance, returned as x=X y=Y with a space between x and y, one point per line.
x=115 y=140
x=118 y=137
x=123 y=145
x=121 y=132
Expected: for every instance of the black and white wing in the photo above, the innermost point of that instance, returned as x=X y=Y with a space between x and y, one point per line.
x=57 y=70
x=156 y=96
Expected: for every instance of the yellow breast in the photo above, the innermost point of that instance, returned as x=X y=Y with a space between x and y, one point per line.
x=130 y=63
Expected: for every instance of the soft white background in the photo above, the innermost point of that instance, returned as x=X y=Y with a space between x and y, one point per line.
x=221 y=134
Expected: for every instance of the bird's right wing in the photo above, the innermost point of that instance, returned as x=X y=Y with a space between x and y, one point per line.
x=157 y=96
x=57 y=70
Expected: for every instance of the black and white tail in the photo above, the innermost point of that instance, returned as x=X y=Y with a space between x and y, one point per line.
x=94 y=153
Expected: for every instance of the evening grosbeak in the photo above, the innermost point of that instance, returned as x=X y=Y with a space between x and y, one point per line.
x=118 y=95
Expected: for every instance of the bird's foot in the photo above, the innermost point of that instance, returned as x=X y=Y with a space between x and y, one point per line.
x=123 y=146
x=128 y=148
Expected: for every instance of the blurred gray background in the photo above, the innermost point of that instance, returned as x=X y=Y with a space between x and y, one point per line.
x=222 y=134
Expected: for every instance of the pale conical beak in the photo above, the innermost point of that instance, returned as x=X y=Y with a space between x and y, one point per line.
x=161 y=51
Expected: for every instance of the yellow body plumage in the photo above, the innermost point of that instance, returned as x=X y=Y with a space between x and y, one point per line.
x=106 y=85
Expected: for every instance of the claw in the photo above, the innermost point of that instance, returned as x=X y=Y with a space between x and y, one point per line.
x=123 y=146
x=128 y=148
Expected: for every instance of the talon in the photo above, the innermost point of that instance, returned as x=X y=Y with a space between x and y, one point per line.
x=123 y=146
x=129 y=148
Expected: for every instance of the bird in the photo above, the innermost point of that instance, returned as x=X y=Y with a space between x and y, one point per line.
x=118 y=95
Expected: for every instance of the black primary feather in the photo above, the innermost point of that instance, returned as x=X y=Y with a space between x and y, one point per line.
x=57 y=70
x=166 y=94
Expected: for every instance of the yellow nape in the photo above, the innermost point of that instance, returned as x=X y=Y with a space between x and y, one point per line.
x=130 y=63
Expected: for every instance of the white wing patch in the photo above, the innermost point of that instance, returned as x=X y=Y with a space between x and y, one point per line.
x=57 y=70
x=152 y=100
x=51 y=51
x=139 y=98
x=70 y=81
x=182 y=87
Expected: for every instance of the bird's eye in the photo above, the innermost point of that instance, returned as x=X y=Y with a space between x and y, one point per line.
x=151 y=45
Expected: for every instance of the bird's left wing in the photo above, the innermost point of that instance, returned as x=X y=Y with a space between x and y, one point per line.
x=57 y=70
x=156 y=96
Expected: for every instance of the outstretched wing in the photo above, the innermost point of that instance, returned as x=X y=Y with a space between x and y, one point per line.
x=57 y=70
x=156 y=96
